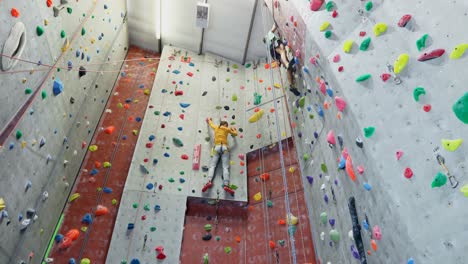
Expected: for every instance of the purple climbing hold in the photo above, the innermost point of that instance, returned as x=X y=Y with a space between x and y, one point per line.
x=310 y=179
x=325 y=198
x=355 y=252
x=332 y=222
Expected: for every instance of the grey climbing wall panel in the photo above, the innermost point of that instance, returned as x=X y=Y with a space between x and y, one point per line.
x=411 y=215
x=212 y=87
x=61 y=122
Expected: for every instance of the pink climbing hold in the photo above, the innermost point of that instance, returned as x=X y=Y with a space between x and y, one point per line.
x=298 y=53
x=182 y=116
x=404 y=20
x=331 y=138
x=291 y=18
x=376 y=233
x=83 y=144
x=276 y=4
x=316 y=4
x=323 y=87
x=340 y=103
x=344 y=153
x=313 y=61
x=184 y=157
x=399 y=154
x=241 y=156
x=360 y=169
x=427 y=108
x=336 y=58
x=408 y=173
x=385 y=76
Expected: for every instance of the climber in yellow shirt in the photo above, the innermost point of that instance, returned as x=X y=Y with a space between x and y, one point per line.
x=220 y=149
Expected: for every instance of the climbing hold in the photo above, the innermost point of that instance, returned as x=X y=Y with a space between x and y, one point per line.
x=385 y=76
x=418 y=91
x=379 y=29
x=348 y=45
x=184 y=105
x=258 y=196
x=368 y=6
x=451 y=145
x=408 y=173
x=227 y=250
x=93 y=148
x=460 y=108
x=256 y=116
x=363 y=77
x=57 y=87
x=184 y=157
x=271 y=244
x=334 y=235
x=39 y=31
x=324 y=168
x=331 y=138
x=463 y=189
x=302 y=101
x=310 y=179
x=374 y=245
x=376 y=233
x=329 y=6
x=257 y=98
x=340 y=103
x=458 y=51
x=401 y=63
x=369 y=131
x=367 y=186
x=399 y=154
x=431 y=55
x=421 y=42
x=365 y=44
x=439 y=180
x=109 y=130
x=73 y=197
x=177 y=142
x=316 y=4
x=291 y=219
x=427 y=107
x=87 y=219
x=349 y=168
x=324 y=26
x=323 y=218
x=101 y=210
x=207 y=237
x=208 y=227
x=19 y=134
x=404 y=20
x=410 y=261
x=328 y=34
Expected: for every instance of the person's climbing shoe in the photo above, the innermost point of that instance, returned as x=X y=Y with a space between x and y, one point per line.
x=207 y=186
x=229 y=190
x=294 y=91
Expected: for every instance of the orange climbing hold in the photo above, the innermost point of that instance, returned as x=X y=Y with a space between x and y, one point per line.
x=282 y=222
x=15 y=12
x=272 y=110
x=73 y=234
x=267 y=66
x=97 y=164
x=66 y=243
x=109 y=130
x=349 y=168
x=272 y=244
x=101 y=210
x=265 y=176
x=238 y=239
x=374 y=245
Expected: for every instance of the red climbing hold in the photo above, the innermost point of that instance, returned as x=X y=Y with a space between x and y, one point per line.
x=385 y=76
x=265 y=176
x=101 y=210
x=182 y=116
x=15 y=12
x=272 y=244
x=408 y=173
x=404 y=20
x=178 y=93
x=431 y=55
x=160 y=187
x=362 y=33
x=49 y=3
x=109 y=130
x=427 y=108
x=149 y=145
x=161 y=256
x=259 y=136
x=334 y=14
x=316 y=4
x=184 y=157
x=97 y=164
x=66 y=243
x=267 y=66
x=340 y=69
x=190 y=74
x=83 y=144
x=163 y=126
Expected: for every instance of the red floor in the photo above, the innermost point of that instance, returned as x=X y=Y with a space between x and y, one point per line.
x=257 y=223
x=94 y=243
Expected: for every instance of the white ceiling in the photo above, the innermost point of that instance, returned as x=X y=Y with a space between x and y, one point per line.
x=226 y=34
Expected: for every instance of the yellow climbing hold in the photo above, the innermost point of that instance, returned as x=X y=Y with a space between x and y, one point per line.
x=291 y=219
x=451 y=144
x=464 y=190
x=2 y=204
x=66 y=45
x=277 y=85
x=256 y=116
x=93 y=148
x=232 y=163
x=324 y=26
x=73 y=197
x=400 y=63
x=458 y=51
x=106 y=164
x=292 y=169
x=135 y=132
x=379 y=29
x=85 y=261
x=348 y=45
x=146 y=91
x=23 y=144
x=258 y=196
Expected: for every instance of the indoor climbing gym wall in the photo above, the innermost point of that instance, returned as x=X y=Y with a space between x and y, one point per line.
x=383 y=161
x=59 y=62
x=173 y=150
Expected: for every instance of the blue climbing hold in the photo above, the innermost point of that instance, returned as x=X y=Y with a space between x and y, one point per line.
x=128 y=100
x=305 y=69
x=78 y=53
x=124 y=137
x=151 y=138
x=157 y=207
x=316 y=135
x=138 y=119
x=176 y=71
x=155 y=161
x=166 y=155
x=141 y=86
x=167 y=113
x=107 y=190
x=310 y=179
x=184 y=105
x=329 y=92
x=123 y=74
x=105 y=6
x=309 y=108
x=320 y=111
x=191 y=64
x=181 y=180
x=410 y=261
x=342 y=164
x=12 y=145
x=58 y=238
x=149 y=186
x=87 y=219
x=93 y=172
x=367 y=186
x=57 y=87
x=72 y=261
x=179 y=128
x=365 y=225
x=130 y=226
x=135 y=261
x=163 y=91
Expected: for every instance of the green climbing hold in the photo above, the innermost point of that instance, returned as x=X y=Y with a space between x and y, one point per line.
x=292 y=230
x=302 y=101
x=44 y=95
x=28 y=91
x=206 y=259
x=324 y=168
x=171 y=180
x=218 y=238
x=135 y=205
x=460 y=108
x=258 y=169
x=146 y=207
x=19 y=134
x=421 y=43
x=329 y=6
x=295 y=110
x=62 y=34
x=233 y=186
x=328 y=33
x=208 y=227
x=235 y=66
x=305 y=156
x=227 y=250
x=369 y=6
x=365 y=44
x=177 y=142
x=324 y=218
x=181 y=172
x=417 y=92
x=39 y=31
x=363 y=77
x=257 y=99
x=439 y=180
x=207 y=139
x=311 y=116
x=83 y=31
x=369 y=131
x=152 y=229
x=248 y=65
x=114 y=201
x=269 y=203
x=69 y=10
x=234 y=98
x=157 y=112
x=218 y=107
x=334 y=236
